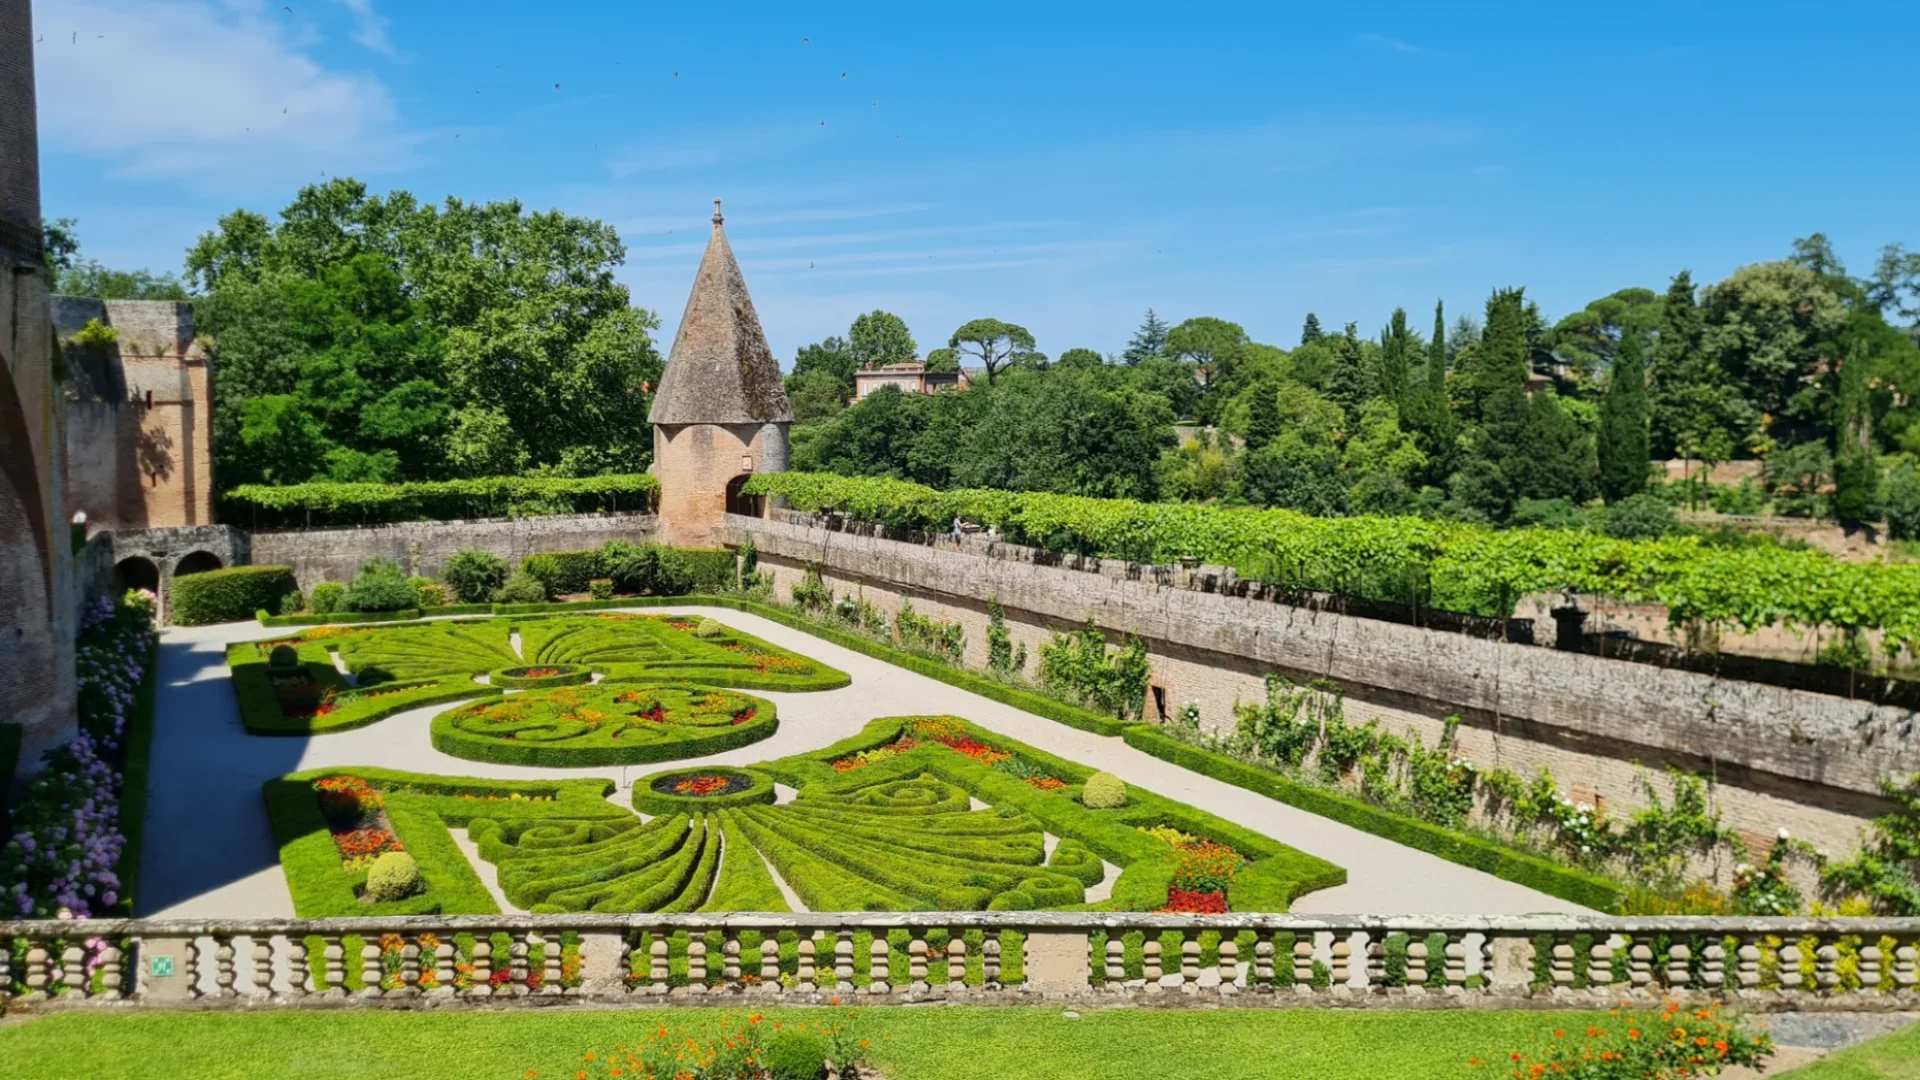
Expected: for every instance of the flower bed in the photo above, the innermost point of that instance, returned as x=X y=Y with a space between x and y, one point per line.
x=541 y=676
x=69 y=833
x=611 y=723
x=684 y=791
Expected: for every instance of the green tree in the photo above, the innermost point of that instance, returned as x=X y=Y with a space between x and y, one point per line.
x=1214 y=345
x=1382 y=459
x=1081 y=358
x=997 y=345
x=872 y=438
x=1310 y=331
x=833 y=356
x=1624 y=444
x=814 y=395
x=1394 y=378
x=879 y=338
x=1428 y=416
x=1149 y=341
x=1351 y=383
x=414 y=313
x=1771 y=328
x=59 y=244
x=71 y=274
x=1856 y=476
x=1263 y=413
x=1587 y=339
x=943 y=360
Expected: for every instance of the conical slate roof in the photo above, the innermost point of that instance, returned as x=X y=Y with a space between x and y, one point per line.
x=720 y=370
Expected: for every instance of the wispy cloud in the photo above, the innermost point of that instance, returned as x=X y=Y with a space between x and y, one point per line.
x=369 y=26
x=1407 y=48
x=256 y=111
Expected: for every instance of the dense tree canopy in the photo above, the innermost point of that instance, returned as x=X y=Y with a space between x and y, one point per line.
x=368 y=337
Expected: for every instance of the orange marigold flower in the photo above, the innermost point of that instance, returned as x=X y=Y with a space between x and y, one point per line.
x=1720 y=1045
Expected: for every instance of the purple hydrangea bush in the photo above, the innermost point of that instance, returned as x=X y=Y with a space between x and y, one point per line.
x=67 y=839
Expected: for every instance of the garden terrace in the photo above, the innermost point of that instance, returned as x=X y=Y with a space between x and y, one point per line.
x=610 y=723
x=972 y=957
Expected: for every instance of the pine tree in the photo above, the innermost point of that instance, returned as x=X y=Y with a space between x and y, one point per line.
x=1500 y=358
x=1624 y=437
x=1427 y=414
x=1350 y=385
x=1856 y=478
x=1396 y=360
x=1310 y=333
x=1148 y=341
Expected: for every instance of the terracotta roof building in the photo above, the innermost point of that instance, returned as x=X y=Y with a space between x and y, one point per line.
x=721 y=413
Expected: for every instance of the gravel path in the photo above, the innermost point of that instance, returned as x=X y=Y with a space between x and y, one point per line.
x=209 y=851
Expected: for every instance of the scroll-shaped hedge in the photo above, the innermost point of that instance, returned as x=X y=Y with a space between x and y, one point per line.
x=610 y=723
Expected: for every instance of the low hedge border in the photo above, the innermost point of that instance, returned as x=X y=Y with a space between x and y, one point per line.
x=433 y=611
x=260 y=707
x=700 y=742
x=569 y=675
x=1566 y=883
x=421 y=814
x=133 y=782
x=403 y=615
x=648 y=801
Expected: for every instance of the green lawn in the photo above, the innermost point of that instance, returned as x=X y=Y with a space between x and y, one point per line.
x=953 y=1043
x=1895 y=1057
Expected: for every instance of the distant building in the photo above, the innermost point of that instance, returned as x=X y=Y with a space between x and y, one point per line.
x=913 y=378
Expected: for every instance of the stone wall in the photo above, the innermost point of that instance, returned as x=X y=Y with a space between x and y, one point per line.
x=1781 y=757
x=423 y=547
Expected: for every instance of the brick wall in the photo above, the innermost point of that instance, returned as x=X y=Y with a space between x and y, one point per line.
x=1604 y=727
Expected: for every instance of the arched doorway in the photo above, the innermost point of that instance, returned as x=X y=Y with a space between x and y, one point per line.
x=739 y=502
x=198 y=562
x=136 y=573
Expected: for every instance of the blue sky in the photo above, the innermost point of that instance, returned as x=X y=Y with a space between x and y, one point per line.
x=1063 y=167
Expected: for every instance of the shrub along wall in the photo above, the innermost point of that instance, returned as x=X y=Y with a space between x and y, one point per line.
x=437 y=500
x=230 y=595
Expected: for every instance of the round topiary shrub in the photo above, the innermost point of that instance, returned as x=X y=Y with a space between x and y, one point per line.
x=430 y=592
x=793 y=1056
x=521 y=588
x=708 y=628
x=283 y=658
x=380 y=586
x=474 y=575
x=393 y=876
x=293 y=603
x=1104 y=791
x=326 y=598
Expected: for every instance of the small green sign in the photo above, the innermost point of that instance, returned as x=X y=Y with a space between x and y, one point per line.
x=160 y=966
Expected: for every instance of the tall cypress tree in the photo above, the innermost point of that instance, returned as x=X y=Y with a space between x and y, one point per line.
x=1263 y=413
x=1624 y=436
x=1856 y=478
x=1310 y=333
x=1396 y=360
x=1437 y=352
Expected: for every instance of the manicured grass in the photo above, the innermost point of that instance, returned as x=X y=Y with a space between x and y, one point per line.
x=953 y=1043
x=1895 y=1057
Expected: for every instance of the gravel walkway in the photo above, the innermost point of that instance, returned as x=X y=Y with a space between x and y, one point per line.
x=209 y=851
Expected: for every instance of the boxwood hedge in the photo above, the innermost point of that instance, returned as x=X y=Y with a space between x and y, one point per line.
x=260 y=708
x=230 y=595
x=573 y=727
x=648 y=800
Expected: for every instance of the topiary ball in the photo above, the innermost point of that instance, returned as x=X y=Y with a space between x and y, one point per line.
x=707 y=628
x=393 y=876
x=283 y=658
x=793 y=1056
x=326 y=598
x=1104 y=791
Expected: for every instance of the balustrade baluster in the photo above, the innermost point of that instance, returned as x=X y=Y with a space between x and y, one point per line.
x=443 y=965
x=917 y=961
x=697 y=963
x=1826 y=963
x=805 y=981
x=1748 y=970
x=1303 y=960
x=73 y=970
x=1678 y=973
x=843 y=960
x=335 y=957
x=112 y=972
x=770 y=963
x=1189 y=959
x=1229 y=962
x=1791 y=977
x=1600 y=962
x=39 y=974
x=260 y=976
x=730 y=958
x=881 y=975
x=1342 y=960
x=519 y=953
x=550 y=981
x=1262 y=961
x=1561 y=970
x=1150 y=961
x=957 y=963
x=1904 y=975
x=1116 y=961
x=482 y=960
x=990 y=961
x=1713 y=967
x=370 y=968
x=659 y=971
x=1640 y=965
x=1870 y=969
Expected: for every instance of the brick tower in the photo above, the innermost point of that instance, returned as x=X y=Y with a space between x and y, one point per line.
x=720 y=414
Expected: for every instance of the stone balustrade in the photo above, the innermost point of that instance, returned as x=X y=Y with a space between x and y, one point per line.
x=881 y=958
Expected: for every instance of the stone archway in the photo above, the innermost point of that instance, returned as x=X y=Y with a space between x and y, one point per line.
x=197 y=562
x=739 y=502
x=136 y=573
